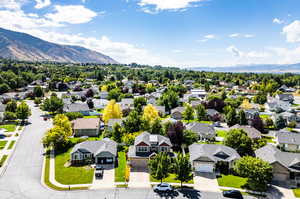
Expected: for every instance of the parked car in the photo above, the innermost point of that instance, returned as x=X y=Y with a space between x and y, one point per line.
x=163 y=187
x=99 y=171
x=233 y=194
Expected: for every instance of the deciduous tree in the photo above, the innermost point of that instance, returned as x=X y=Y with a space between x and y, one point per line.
x=182 y=168
x=112 y=111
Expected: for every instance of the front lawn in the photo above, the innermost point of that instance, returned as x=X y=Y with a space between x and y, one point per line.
x=232 y=181
x=71 y=174
x=91 y=116
x=2 y=160
x=297 y=192
x=9 y=127
x=221 y=133
x=170 y=179
x=2 y=144
x=120 y=171
x=11 y=144
x=263 y=116
x=269 y=139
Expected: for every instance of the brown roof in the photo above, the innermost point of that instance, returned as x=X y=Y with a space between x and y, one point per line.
x=86 y=123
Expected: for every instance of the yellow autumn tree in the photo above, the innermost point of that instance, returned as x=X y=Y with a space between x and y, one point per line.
x=104 y=88
x=62 y=121
x=150 y=113
x=112 y=111
x=246 y=104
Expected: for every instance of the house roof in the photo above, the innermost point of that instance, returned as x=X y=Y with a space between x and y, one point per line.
x=215 y=152
x=272 y=154
x=251 y=131
x=201 y=128
x=145 y=137
x=211 y=112
x=96 y=147
x=76 y=107
x=127 y=101
x=86 y=123
x=112 y=122
x=285 y=97
x=178 y=109
x=285 y=137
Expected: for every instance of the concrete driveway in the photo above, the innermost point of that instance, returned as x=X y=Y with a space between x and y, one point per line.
x=139 y=179
x=107 y=181
x=206 y=182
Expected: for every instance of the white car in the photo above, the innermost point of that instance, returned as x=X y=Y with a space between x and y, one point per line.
x=163 y=187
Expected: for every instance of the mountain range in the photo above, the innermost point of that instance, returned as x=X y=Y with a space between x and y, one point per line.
x=25 y=47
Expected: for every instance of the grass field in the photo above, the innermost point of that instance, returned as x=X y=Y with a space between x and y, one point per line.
x=9 y=127
x=221 y=133
x=11 y=144
x=72 y=174
x=232 y=181
x=170 y=179
x=2 y=144
x=121 y=169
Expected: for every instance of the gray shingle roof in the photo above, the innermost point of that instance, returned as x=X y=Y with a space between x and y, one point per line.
x=271 y=154
x=285 y=137
x=179 y=109
x=251 y=131
x=201 y=128
x=96 y=147
x=215 y=152
x=145 y=137
x=76 y=107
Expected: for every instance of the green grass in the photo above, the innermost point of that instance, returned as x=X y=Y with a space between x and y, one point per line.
x=2 y=144
x=91 y=116
x=49 y=184
x=122 y=185
x=121 y=170
x=232 y=181
x=9 y=127
x=170 y=179
x=206 y=142
x=269 y=139
x=72 y=174
x=264 y=116
x=11 y=144
x=3 y=159
x=207 y=122
x=221 y=133
x=295 y=105
x=297 y=192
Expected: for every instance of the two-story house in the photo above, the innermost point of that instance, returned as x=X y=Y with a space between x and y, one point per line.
x=288 y=141
x=145 y=146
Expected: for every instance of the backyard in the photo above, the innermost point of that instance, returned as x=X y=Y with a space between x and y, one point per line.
x=71 y=174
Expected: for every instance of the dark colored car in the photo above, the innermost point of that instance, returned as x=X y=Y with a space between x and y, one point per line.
x=233 y=194
x=99 y=171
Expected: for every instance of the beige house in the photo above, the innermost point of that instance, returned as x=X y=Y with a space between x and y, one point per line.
x=288 y=141
x=86 y=127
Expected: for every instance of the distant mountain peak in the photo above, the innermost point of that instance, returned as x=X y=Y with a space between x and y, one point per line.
x=25 y=47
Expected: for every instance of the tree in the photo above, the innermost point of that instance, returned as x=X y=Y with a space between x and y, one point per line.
x=246 y=105
x=239 y=140
x=89 y=93
x=268 y=122
x=260 y=98
x=139 y=102
x=134 y=122
x=53 y=104
x=38 y=91
x=63 y=122
x=90 y=103
x=4 y=88
x=215 y=102
x=175 y=133
x=56 y=138
x=257 y=172
x=201 y=113
x=257 y=123
x=230 y=117
x=23 y=111
x=279 y=122
x=188 y=113
x=114 y=94
x=117 y=133
x=160 y=166
x=11 y=106
x=150 y=113
x=170 y=100
x=242 y=118
x=156 y=127
x=182 y=168
x=73 y=115
x=112 y=111
x=189 y=137
x=9 y=116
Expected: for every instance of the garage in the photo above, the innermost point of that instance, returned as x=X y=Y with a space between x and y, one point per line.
x=205 y=168
x=138 y=164
x=280 y=177
x=104 y=160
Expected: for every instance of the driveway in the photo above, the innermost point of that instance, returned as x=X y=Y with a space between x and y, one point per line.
x=107 y=181
x=206 y=182
x=139 y=179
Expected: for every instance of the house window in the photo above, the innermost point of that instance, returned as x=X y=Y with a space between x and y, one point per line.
x=163 y=149
x=142 y=149
x=75 y=157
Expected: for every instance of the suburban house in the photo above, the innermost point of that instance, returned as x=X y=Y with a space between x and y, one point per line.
x=203 y=130
x=103 y=95
x=145 y=146
x=213 y=114
x=284 y=88
x=289 y=117
x=86 y=127
x=285 y=97
x=112 y=122
x=100 y=103
x=252 y=132
x=127 y=103
x=100 y=152
x=177 y=112
x=198 y=93
x=286 y=165
x=161 y=110
x=251 y=113
x=77 y=107
x=209 y=158
x=288 y=141
x=195 y=103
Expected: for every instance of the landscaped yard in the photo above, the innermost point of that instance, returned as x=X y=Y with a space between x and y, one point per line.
x=11 y=144
x=264 y=116
x=92 y=116
x=297 y=192
x=71 y=174
x=269 y=139
x=2 y=144
x=2 y=160
x=121 y=170
x=221 y=133
x=9 y=127
x=232 y=181
x=170 y=179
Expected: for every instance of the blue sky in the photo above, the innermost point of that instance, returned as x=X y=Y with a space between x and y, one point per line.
x=182 y=33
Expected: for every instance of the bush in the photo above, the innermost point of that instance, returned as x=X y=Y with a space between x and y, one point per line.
x=10 y=116
x=74 y=115
x=292 y=124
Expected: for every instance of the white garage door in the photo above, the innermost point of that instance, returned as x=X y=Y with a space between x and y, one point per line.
x=205 y=168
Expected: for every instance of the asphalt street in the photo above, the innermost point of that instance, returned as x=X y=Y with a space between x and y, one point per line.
x=22 y=178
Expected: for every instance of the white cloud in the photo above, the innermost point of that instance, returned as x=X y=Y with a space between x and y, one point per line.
x=252 y=54
x=292 y=32
x=11 y=4
x=73 y=14
x=249 y=36
x=207 y=37
x=278 y=21
x=287 y=56
x=160 y=5
x=42 y=3
x=236 y=35
x=176 y=51
x=235 y=52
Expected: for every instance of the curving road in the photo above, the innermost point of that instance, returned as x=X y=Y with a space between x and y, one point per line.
x=22 y=178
